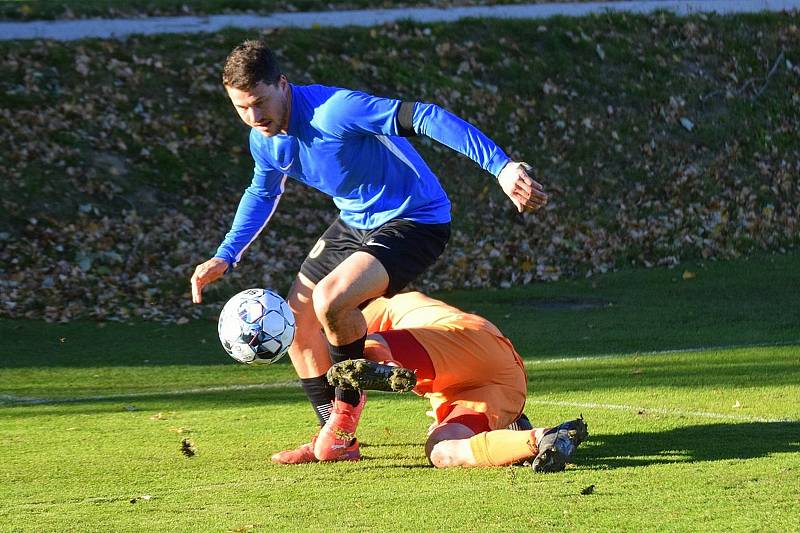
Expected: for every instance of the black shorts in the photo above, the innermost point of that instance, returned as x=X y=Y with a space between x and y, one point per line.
x=404 y=248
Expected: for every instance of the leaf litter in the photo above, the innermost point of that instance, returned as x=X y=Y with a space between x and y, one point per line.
x=106 y=213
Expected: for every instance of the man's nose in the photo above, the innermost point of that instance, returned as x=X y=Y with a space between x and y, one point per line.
x=256 y=115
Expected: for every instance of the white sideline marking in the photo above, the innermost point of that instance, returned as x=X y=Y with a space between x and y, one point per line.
x=17 y=400
x=660 y=411
x=9 y=399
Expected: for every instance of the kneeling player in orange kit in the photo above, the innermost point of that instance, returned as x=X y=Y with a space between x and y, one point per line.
x=471 y=374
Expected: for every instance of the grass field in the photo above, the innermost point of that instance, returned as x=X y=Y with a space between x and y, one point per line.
x=690 y=388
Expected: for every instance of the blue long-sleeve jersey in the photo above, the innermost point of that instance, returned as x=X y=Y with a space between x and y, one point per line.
x=348 y=145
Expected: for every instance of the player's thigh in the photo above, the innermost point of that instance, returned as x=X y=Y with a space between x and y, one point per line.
x=360 y=277
x=299 y=298
x=301 y=304
x=406 y=249
x=335 y=245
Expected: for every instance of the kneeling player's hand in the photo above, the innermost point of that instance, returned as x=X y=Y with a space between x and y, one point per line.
x=524 y=191
x=206 y=273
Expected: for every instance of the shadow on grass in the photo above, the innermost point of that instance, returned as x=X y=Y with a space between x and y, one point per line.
x=708 y=442
x=391 y=444
x=268 y=399
x=374 y=465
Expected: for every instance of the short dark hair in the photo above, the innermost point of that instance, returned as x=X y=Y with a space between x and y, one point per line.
x=249 y=63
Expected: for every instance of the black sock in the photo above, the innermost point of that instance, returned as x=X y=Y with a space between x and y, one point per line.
x=351 y=396
x=354 y=350
x=320 y=393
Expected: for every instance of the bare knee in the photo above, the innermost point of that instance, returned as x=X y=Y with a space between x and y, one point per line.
x=450 y=453
x=327 y=303
x=448 y=445
x=442 y=454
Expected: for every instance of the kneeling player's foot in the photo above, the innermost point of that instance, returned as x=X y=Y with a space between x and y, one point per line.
x=522 y=423
x=369 y=375
x=337 y=437
x=558 y=444
x=305 y=454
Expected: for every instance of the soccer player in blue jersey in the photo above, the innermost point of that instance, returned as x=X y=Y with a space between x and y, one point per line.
x=394 y=215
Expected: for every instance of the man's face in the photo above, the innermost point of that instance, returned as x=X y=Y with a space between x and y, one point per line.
x=263 y=107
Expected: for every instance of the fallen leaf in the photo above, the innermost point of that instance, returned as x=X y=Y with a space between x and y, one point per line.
x=187 y=448
x=600 y=52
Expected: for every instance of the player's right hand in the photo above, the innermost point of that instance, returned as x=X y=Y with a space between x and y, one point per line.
x=206 y=273
x=517 y=182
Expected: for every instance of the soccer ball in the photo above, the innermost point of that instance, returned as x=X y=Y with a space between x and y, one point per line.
x=256 y=327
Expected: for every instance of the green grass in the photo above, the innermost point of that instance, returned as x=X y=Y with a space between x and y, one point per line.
x=689 y=387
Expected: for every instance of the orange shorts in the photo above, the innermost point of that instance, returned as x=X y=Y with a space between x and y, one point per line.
x=475 y=369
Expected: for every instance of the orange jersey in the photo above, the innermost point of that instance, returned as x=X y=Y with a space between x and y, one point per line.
x=476 y=366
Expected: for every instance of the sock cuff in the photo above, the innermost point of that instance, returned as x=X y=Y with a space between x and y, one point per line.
x=480 y=449
x=318 y=384
x=351 y=396
x=353 y=350
x=502 y=447
x=320 y=393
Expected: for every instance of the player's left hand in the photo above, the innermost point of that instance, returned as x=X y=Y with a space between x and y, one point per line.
x=526 y=193
x=206 y=273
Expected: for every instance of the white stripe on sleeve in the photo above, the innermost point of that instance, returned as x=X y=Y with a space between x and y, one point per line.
x=264 y=225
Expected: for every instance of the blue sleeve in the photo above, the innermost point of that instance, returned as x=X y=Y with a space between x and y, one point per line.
x=351 y=113
x=256 y=207
x=357 y=113
x=444 y=127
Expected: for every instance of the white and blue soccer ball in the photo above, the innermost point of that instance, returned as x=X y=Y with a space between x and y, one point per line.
x=256 y=327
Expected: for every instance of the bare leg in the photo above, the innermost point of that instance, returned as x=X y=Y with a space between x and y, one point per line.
x=448 y=446
x=453 y=444
x=336 y=298
x=309 y=351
